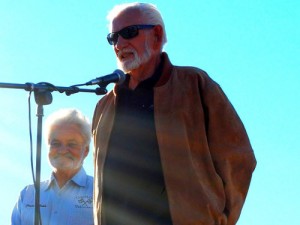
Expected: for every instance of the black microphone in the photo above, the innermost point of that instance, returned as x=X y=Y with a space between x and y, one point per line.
x=118 y=76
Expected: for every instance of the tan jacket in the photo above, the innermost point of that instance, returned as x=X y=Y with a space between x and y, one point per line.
x=206 y=155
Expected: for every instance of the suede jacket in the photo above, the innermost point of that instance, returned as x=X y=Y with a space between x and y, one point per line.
x=206 y=155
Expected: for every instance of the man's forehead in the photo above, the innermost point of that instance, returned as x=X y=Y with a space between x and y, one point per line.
x=126 y=18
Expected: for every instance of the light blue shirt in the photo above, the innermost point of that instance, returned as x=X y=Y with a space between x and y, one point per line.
x=70 y=205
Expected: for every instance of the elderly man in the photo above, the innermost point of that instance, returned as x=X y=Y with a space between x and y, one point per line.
x=66 y=198
x=169 y=146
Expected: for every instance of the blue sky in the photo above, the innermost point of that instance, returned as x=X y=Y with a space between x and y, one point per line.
x=251 y=48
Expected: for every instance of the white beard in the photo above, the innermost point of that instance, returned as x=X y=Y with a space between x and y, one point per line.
x=131 y=64
x=64 y=162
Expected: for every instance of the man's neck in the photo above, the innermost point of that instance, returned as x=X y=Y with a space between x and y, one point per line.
x=62 y=177
x=143 y=72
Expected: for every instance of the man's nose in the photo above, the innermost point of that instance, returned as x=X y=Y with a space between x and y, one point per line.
x=63 y=148
x=121 y=42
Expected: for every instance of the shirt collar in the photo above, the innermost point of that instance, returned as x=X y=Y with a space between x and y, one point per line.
x=79 y=179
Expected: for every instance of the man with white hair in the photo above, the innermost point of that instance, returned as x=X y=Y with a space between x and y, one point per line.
x=66 y=198
x=169 y=146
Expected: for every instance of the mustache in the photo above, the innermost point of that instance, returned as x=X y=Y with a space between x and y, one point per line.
x=66 y=155
x=126 y=50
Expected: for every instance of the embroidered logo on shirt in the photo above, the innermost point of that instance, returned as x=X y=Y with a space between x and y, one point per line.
x=84 y=202
x=32 y=206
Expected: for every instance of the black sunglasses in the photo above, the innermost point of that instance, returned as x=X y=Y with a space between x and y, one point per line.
x=127 y=33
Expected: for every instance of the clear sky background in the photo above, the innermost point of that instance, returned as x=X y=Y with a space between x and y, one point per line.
x=251 y=48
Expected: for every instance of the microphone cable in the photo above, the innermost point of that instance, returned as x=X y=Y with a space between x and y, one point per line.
x=31 y=155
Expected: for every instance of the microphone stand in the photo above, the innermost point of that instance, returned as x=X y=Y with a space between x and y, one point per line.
x=42 y=93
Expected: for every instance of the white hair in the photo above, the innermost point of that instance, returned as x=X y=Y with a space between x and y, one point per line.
x=69 y=116
x=149 y=12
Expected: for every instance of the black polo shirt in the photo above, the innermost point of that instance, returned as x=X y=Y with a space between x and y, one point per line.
x=133 y=184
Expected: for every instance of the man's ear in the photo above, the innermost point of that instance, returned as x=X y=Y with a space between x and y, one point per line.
x=86 y=151
x=158 y=36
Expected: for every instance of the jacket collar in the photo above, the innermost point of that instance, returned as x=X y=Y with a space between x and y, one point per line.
x=166 y=72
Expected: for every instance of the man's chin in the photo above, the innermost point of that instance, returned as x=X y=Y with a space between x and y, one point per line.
x=62 y=164
x=127 y=66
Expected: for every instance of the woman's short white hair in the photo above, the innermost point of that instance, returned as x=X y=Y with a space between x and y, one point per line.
x=69 y=116
x=149 y=12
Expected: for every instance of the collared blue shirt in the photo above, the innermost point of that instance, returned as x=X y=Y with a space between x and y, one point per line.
x=70 y=205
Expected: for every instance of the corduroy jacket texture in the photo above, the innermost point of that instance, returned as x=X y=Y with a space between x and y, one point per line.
x=206 y=155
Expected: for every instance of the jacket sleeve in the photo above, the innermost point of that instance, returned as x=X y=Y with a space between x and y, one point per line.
x=229 y=146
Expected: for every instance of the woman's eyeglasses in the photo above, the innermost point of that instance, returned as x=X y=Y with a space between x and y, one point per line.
x=127 y=33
